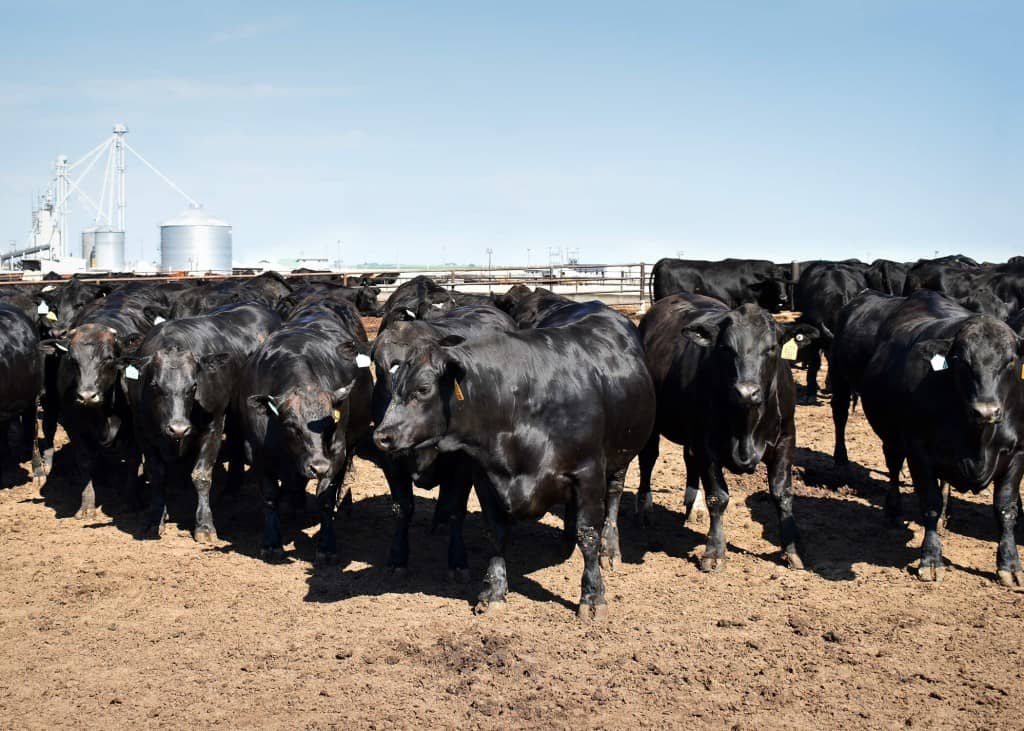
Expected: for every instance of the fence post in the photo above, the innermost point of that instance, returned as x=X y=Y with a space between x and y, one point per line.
x=643 y=289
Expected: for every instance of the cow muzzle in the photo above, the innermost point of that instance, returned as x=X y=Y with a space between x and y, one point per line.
x=986 y=412
x=748 y=393
x=89 y=397
x=178 y=429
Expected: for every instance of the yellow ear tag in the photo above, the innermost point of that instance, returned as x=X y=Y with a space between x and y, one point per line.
x=51 y=316
x=789 y=350
x=458 y=392
x=1022 y=373
x=337 y=415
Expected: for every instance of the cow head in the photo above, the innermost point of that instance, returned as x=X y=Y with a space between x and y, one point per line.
x=772 y=294
x=367 y=302
x=172 y=382
x=92 y=350
x=743 y=357
x=423 y=389
x=983 y=360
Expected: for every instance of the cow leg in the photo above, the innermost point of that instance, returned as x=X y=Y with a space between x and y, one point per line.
x=780 y=483
x=403 y=505
x=133 y=485
x=840 y=416
x=717 y=498
x=156 y=474
x=644 y=500
x=202 y=479
x=569 y=527
x=460 y=486
x=326 y=545
x=272 y=548
x=85 y=460
x=51 y=407
x=32 y=431
x=7 y=457
x=611 y=555
x=813 y=366
x=591 y=488
x=893 y=499
x=692 y=502
x=929 y=498
x=1005 y=500
x=495 y=590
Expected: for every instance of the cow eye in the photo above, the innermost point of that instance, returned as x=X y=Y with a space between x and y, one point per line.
x=423 y=390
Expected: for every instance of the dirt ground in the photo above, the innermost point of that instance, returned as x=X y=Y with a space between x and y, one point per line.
x=100 y=629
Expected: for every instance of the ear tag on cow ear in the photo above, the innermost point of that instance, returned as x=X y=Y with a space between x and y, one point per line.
x=158 y=319
x=43 y=308
x=273 y=407
x=789 y=349
x=61 y=346
x=363 y=360
x=131 y=373
x=337 y=415
x=394 y=369
x=799 y=337
x=438 y=305
x=939 y=362
x=459 y=396
x=51 y=316
x=1022 y=372
x=411 y=314
x=48 y=288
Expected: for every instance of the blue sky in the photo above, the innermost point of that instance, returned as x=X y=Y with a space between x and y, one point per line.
x=430 y=131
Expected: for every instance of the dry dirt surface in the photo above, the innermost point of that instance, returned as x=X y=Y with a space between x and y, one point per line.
x=98 y=629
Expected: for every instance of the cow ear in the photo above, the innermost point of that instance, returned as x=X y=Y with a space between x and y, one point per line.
x=264 y=404
x=449 y=341
x=928 y=350
x=802 y=332
x=53 y=346
x=701 y=333
x=338 y=395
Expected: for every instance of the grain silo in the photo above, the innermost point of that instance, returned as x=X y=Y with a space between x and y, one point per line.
x=194 y=241
x=108 y=249
x=88 y=242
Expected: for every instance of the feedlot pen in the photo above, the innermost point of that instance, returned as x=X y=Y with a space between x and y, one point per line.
x=98 y=629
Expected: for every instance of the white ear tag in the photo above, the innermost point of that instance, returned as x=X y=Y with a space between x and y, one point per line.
x=411 y=314
x=131 y=373
x=438 y=306
x=272 y=406
x=363 y=361
x=939 y=362
x=48 y=288
x=789 y=350
x=61 y=346
x=394 y=369
x=799 y=337
x=43 y=308
x=159 y=319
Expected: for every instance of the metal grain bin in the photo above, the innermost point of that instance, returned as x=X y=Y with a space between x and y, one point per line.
x=88 y=242
x=195 y=241
x=108 y=250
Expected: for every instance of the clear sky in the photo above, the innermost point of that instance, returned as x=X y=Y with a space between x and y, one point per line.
x=430 y=131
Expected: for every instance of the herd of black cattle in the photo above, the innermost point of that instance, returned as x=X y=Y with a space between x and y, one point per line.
x=528 y=398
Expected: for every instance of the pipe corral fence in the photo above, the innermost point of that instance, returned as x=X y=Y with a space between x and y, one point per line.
x=624 y=285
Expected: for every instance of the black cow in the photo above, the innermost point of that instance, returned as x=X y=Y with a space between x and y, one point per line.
x=453 y=472
x=304 y=402
x=364 y=298
x=944 y=391
x=421 y=298
x=92 y=409
x=21 y=378
x=528 y=308
x=887 y=276
x=820 y=294
x=935 y=274
x=180 y=382
x=67 y=300
x=733 y=281
x=551 y=415
x=725 y=393
x=267 y=289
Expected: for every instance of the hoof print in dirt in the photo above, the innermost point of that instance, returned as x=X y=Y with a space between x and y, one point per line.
x=592 y=612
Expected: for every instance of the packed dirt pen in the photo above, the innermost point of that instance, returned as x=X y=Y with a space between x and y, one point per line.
x=100 y=629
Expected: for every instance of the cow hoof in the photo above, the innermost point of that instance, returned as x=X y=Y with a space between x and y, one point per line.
x=931 y=573
x=84 y=513
x=323 y=558
x=398 y=572
x=592 y=612
x=609 y=562
x=792 y=560
x=1011 y=579
x=151 y=533
x=203 y=535
x=38 y=471
x=488 y=606
x=272 y=554
x=709 y=564
x=458 y=576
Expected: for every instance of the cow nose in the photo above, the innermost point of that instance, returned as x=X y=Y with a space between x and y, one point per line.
x=383 y=439
x=318 y=468
x=89 y=396
x=986 y=412
x=179 y=429
x=748 y=393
